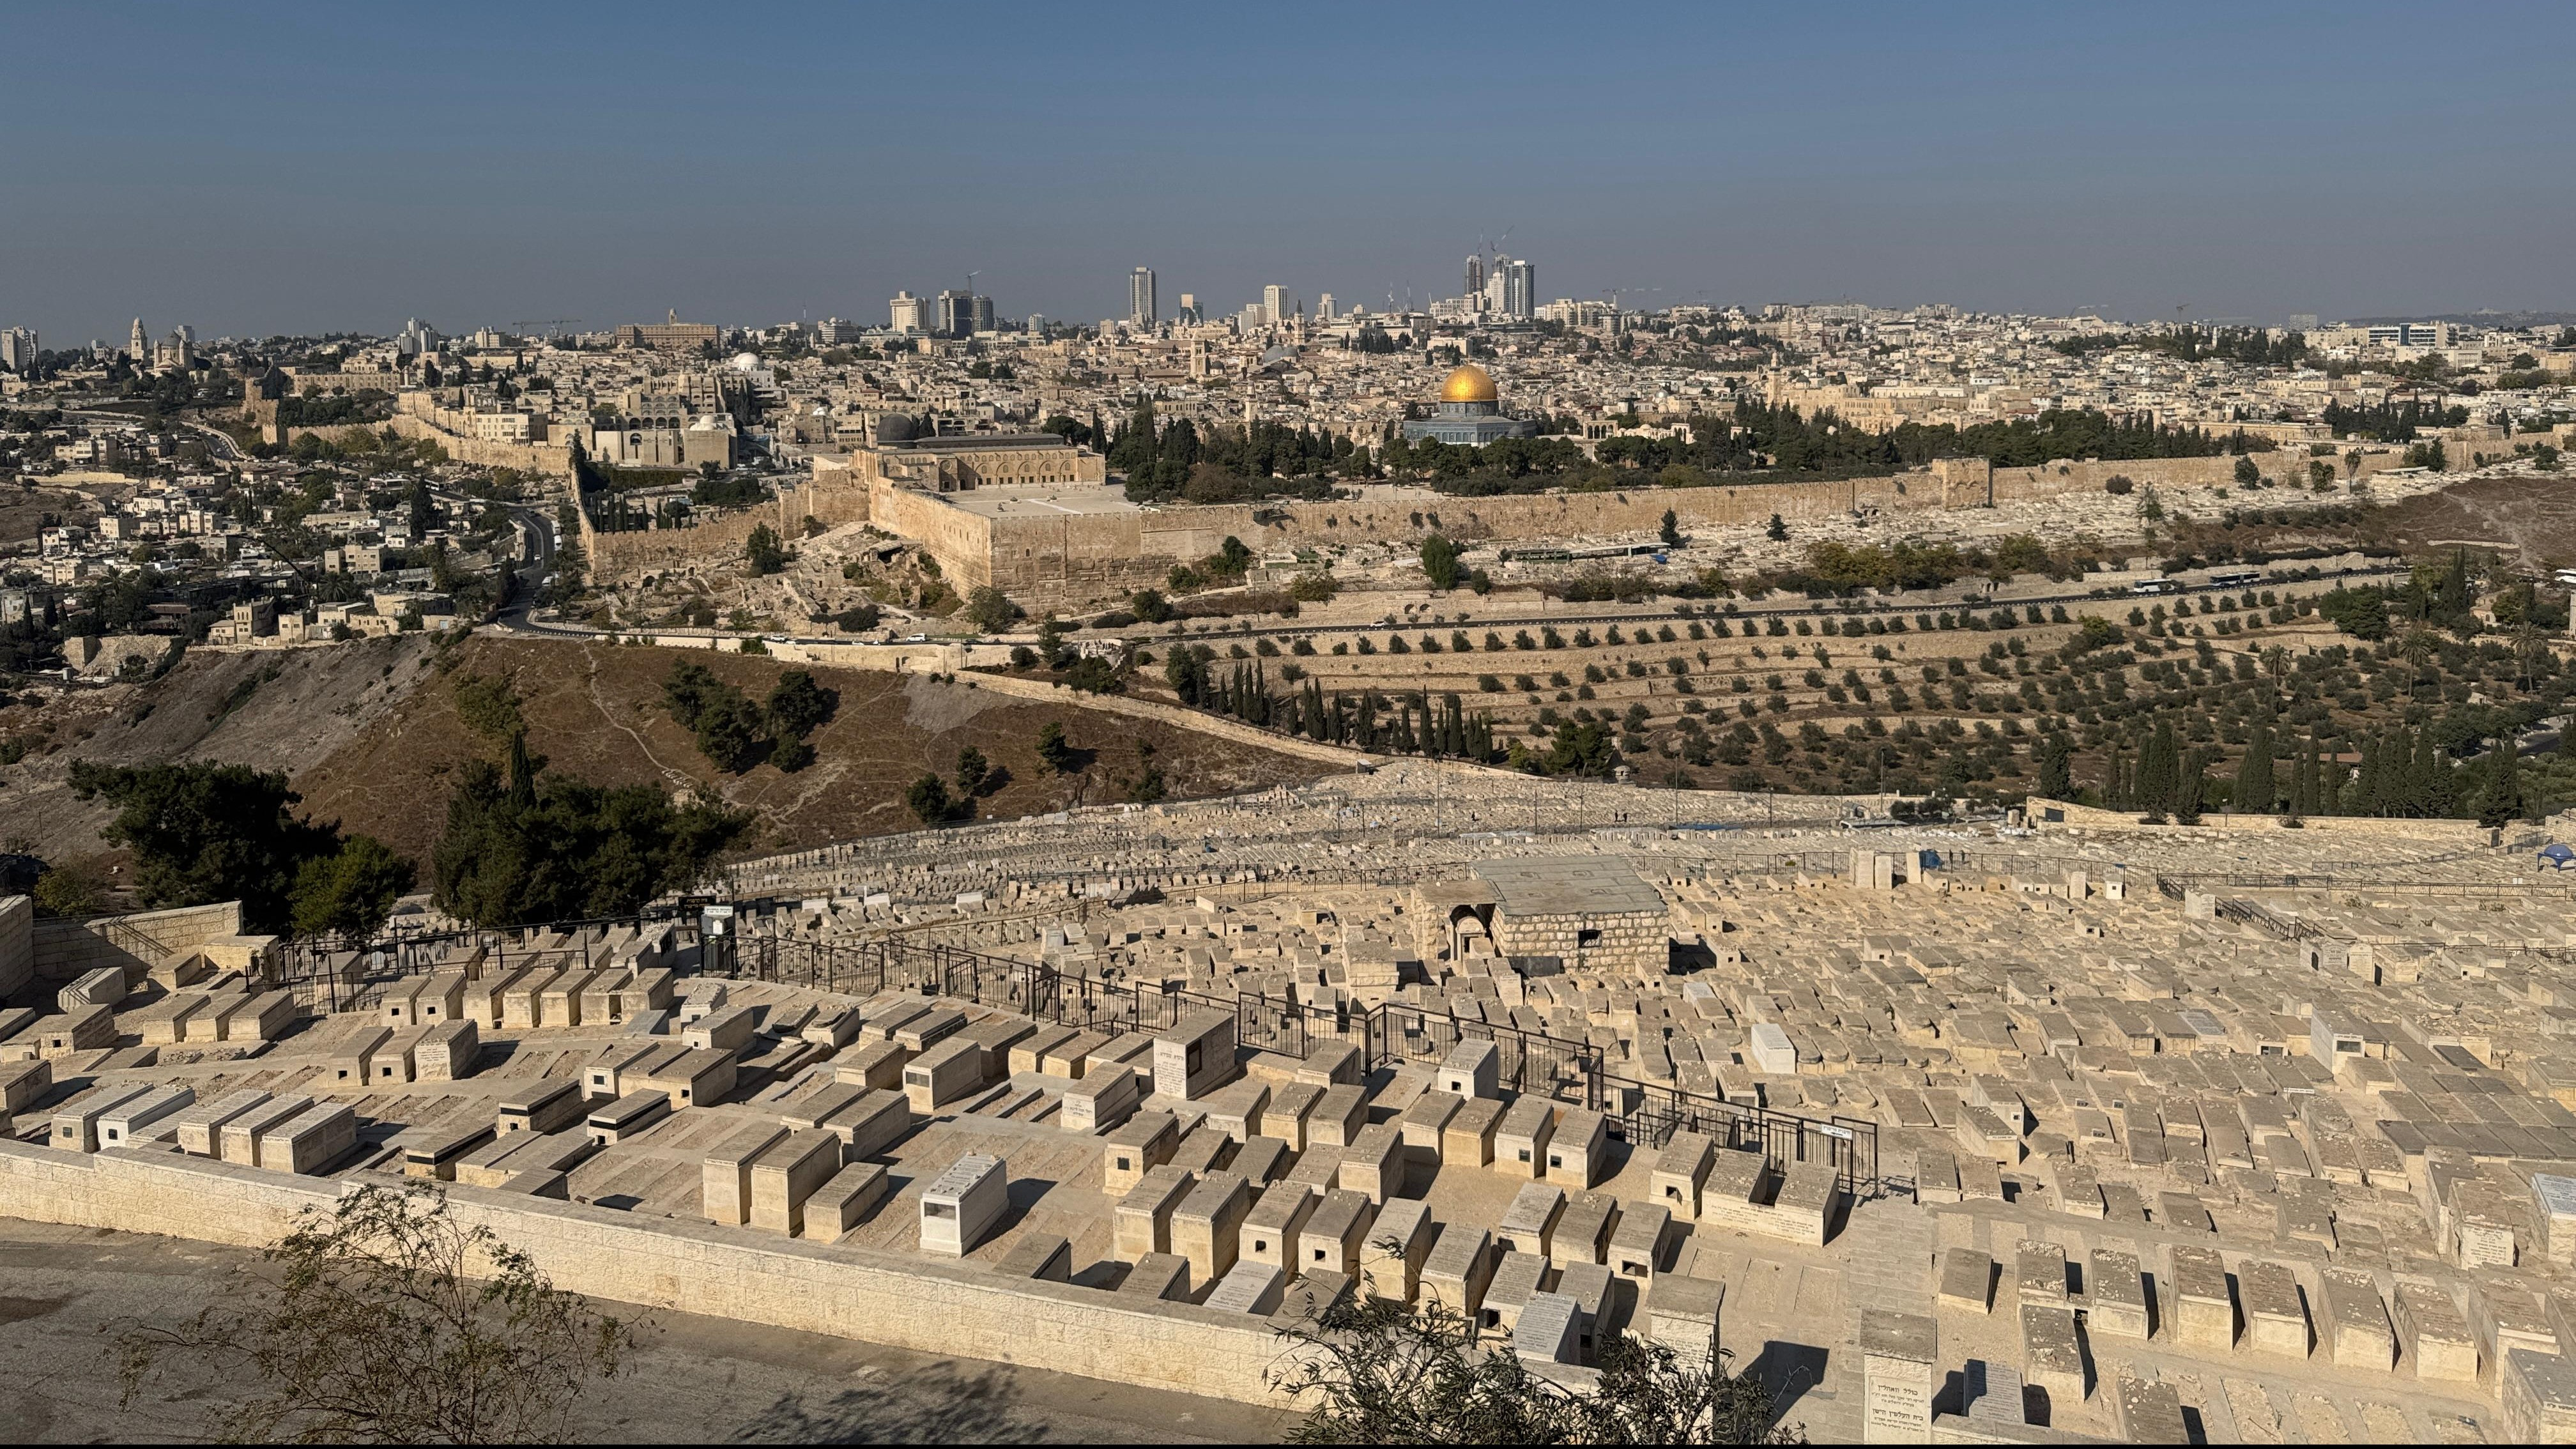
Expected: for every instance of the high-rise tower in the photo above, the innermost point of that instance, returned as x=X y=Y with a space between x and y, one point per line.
x=1475 y=277
x=1141 y=309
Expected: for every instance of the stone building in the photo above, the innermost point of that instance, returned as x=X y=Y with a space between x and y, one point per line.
x=1586 y=914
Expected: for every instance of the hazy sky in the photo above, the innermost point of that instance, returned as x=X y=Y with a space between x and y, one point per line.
x=304 y=167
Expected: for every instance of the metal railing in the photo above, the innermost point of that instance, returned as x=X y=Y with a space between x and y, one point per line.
x=1645 y=1114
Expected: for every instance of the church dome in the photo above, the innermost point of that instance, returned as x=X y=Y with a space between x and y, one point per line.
x=1468 y=383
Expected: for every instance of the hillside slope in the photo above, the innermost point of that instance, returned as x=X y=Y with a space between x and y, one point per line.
x=282 y=711
x=596 y=711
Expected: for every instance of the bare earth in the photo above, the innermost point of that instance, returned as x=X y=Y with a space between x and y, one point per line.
x=698 y=1380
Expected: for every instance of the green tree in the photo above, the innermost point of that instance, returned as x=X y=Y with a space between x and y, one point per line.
x=382 y=1319
x=205 y=833
x=1580 y=749
x=352 y=892
x=991 y=610
x=1378 y=1372
x=1778 y=532
x=520 y=849
x=762 y=553
x=2191 y=787
x=1440 y=562
x=929 y=801
x=70 y=888
x=972 y=770
x=1670 y=531
x=2254 y=788
x=732 y=733
x=2056 y=776
x=2159 y=772
x=1053 y=751
x=798 y=706
x=2247 y=475
x=2501 y=803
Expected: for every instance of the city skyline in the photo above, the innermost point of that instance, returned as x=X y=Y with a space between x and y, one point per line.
x=2231 y=167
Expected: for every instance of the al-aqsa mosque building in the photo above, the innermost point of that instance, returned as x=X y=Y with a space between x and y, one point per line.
x=1468 y=412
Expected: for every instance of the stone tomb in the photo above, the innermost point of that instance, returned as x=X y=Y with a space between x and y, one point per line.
x=962 y=1206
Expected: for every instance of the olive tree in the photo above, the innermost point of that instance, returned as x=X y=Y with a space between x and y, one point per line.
x=1376 y=1372
x=383 y=1319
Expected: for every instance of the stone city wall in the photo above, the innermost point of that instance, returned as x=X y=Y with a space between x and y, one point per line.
x=961 y=541
x=1081 y=558
x=930 y=1307
x=550 y=459
x=719 y=540
x=2286 y=467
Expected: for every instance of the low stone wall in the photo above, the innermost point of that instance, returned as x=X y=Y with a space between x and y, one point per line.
x=68 y=950
x=2464 y=834
x=659 y=1263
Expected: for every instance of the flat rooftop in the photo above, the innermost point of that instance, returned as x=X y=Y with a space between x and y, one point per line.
x=1054 y=501
x=1569 y=887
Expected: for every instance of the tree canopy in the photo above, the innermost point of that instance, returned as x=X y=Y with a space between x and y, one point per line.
x=518 y=850
x=205 y=833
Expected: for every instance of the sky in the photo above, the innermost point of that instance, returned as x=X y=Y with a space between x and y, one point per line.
x=307 y=168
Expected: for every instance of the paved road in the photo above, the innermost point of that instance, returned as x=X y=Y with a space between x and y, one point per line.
x=698 y=1379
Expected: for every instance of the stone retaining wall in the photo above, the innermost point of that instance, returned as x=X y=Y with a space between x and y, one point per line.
x=930 y=1307
x=2465 y=834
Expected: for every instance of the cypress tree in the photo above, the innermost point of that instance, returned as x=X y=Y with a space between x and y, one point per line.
x=2423 y=774
x=2191 y=783
x=2254 y=787
x=2056 y=782
x=2159 y=771
x=2503 y=800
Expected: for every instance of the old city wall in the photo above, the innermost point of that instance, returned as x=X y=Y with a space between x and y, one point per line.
x=1087 y=557
x=720 y=540
x=921 y=1304
x=961 y=541
x=2285 y=467
x=551 y=460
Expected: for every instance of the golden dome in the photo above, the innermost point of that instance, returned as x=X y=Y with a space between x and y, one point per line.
x=1468 y=383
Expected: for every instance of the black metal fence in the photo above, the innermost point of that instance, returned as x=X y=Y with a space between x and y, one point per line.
x=1646 y=1114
